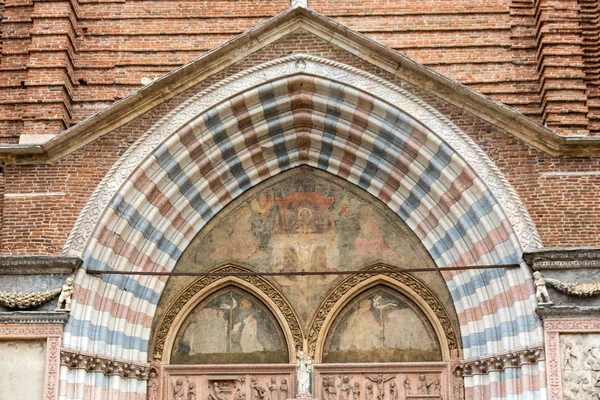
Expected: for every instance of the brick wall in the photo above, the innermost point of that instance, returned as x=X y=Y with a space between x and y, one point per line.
x=43 y=202
x=65 y=60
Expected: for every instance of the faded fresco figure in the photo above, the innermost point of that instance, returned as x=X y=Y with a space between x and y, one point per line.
x=379 y=326
x=241 y=244
x=226 y=326
x=364 y=334
x=370 y=241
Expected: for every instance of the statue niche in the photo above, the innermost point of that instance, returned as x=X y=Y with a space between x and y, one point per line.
x=230 y=327
x=381 y=325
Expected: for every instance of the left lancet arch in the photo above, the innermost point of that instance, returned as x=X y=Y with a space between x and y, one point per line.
x=301 y=111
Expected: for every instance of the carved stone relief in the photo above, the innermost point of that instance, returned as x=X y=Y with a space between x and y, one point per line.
x=227 y=382
x=27 y=300
x=572 y=358
x=580 y=364
x=385 y=385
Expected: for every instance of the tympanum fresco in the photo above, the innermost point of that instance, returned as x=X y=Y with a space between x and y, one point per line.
x=306 y=222
x=381 y=325
x=231 y=326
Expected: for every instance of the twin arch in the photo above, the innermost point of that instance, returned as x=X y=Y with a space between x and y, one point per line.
x=339 y=298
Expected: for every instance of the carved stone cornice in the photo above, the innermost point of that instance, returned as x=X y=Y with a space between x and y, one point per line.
x=108 y=366
x=188 y=293
x=568 y=312
x=402 y=277
x=38 y=265
x=33 y=317
x=498 y=363
x=563 y=258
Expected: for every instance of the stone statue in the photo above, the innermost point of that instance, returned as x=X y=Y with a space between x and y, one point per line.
x=152 y=385
x=345 y=387
x=406 y=385
x=393 y=391
x=380 y=380
x=191 y=395
x=64 y=300
x=215 y=392
x=356 y=391
x=569 y=356
x=422 y=387
x=303 y=374
x=273 y=388
x=541 y=293
x=178 y=390
x=369 y=391
x=258 y=391
x=283 y=390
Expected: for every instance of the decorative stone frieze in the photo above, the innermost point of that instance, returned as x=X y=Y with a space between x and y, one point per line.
x=498 y=363
x=108 y=366
x=544 y=259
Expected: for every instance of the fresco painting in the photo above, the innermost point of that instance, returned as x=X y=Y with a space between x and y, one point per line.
x=381 y=325
x=304 y=223
x=231 y=326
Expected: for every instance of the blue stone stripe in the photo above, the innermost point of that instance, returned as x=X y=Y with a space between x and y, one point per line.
x=186 y=187
x=139 y=223
x=428 y=178
x=332 y=116
x=522 y=324
x=387 y=138
x=271 y=113
x=458 y=231
x=213 y=123
x=124 y=282
x=103 y=334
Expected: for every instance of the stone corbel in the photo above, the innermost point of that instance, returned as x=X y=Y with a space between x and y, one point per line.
x=108 y=366
x=516 y=359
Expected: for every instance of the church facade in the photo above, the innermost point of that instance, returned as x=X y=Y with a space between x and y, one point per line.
x=342 y=202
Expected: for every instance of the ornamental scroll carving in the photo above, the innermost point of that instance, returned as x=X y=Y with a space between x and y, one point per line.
x=188 y=294
x=401 y=277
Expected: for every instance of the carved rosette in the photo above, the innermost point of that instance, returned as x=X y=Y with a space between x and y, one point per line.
x=259 y=283
x=417 y=286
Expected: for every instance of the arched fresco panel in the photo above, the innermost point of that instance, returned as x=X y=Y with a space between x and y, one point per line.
x=230 y=327
x=381 y=325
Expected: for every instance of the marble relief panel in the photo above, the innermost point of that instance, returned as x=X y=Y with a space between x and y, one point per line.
x=259 y=385
x=382 y=386
x=580 y=364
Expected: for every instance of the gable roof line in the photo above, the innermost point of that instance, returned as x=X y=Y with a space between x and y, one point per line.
x=216 y=60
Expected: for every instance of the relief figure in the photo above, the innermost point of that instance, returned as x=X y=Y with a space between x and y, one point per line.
x=345 y=387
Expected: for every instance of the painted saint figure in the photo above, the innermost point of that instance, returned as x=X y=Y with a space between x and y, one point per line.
x=247 y=328
x=365 y=331
x=303 y=373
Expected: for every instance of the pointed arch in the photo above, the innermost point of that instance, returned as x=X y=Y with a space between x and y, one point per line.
x=301 y=110
x=202 y=288
x=401 y=282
